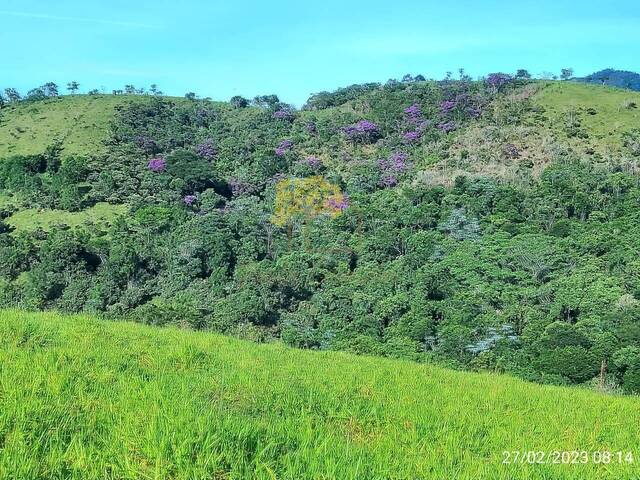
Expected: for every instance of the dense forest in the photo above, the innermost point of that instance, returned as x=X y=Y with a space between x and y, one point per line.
x=454 y=221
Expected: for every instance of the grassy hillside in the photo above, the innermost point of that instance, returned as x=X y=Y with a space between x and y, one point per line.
x=31 y=219
x=82 y=398
x=604 y=113
x=487 y=225
x=80 y=122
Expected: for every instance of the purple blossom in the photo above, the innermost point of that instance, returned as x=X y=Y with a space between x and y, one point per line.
x=388 y=180
x=240 y=187
x=399 y=161
x=447 y=106
x=283 y=147
x=363 y=131
x=497 y=80
x=157 y=164
x=189 y=199
x=447 y=127
x=202 y=117
x=413 y=112
x=341 y=204
x=391 y=167
x=206 y=149
x=147 y=144
x=283 y=114
x=412 y=136
x=313 y=162
x=396 y=163
x=310 y=127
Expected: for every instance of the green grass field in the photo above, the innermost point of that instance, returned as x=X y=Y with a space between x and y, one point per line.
x=81 y=122
x=90 y=399
x=611 y=114
x=32 y=218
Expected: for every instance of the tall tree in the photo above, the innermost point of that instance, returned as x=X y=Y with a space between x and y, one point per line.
x=73 y=87
x=566 y=73
x=12 y=95
x=50 y=89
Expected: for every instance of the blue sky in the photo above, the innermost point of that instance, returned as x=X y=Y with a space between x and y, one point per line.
x=293 y=48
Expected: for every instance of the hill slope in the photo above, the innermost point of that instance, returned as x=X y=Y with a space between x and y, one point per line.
x=605 y=113
x=487 y=225
x=88 y=399
x=79 y=122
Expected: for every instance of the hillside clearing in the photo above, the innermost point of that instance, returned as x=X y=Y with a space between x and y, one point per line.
x=79 y=122
x=33 y=218
x=605 y=113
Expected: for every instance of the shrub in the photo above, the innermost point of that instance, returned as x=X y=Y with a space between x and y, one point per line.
x=283 y=147
x=157 y=165
x=631 y=140
x=363 y=131
x=206 y=149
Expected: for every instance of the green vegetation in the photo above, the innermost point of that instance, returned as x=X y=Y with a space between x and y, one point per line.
x=488 y=226
x=88 y=399
x=32 y=219
x=603 y=113
x=6 y=201
x=79 y=122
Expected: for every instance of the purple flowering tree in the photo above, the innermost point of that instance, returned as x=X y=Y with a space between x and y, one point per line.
x=388 y=180
x=240 y=187
x=283 y=114
x=463 y=105
x=399 y=161
x=474 y=111
x=147 y=144
x=363 y=131
x=157 y=164
x=412 y=136
x=189 y=200
x=206 y=149
x=511 y=151
x=447 y=106
x=339 y=203
x=391 y=168
x=413 y=113
x=498 y=80
x=284 y=147
x=416 y=123
x=311 y=129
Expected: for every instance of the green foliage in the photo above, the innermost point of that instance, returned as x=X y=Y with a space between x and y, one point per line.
x=450 y=260
x=206 y=406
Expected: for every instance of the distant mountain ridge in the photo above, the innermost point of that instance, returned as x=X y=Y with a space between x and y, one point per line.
x=614 y=78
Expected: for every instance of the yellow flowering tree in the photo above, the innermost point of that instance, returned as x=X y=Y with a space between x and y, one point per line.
x=299 y=200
